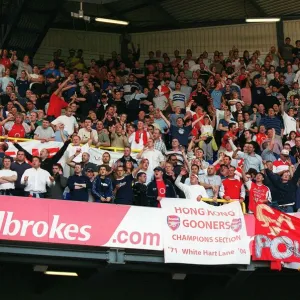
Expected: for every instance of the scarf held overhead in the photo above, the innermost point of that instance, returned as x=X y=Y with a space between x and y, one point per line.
x=145 y=137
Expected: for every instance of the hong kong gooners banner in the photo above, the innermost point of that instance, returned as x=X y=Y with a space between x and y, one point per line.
x=199 y=233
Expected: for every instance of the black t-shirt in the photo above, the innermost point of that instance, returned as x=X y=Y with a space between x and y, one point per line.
x=204 y=75
x=85 y=106
x=281 y=70
x=296 y=52
x=257 y=94
x=269 y=101
x=275 y=82
x=94 y=97
x=38 y=89
x=23 y=86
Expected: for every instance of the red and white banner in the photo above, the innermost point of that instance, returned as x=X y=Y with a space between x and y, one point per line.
x=277 y=236
x=34 y=147
x=199 y=233
x=79 y=223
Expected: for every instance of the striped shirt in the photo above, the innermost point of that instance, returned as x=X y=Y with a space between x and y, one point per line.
x=272 y=123
x=178 y=98
x=127 y=89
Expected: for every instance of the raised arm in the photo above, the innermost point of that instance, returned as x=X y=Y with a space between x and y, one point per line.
x=59 y=154
x=272 y=142
x=296 y=175
x=165 y=119
x=60 y=88
x=282 y=107
x=244 y=176
x=191 y=144
x=197 y=120
x=213 y=121
x=233 y=146
x=178 y=182
x=71 y=158
x=136 y=170
x=27 y=154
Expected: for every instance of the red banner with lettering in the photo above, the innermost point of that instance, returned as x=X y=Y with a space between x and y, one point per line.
x=277 y=236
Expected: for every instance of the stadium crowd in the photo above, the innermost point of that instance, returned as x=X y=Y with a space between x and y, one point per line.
x=222 y=127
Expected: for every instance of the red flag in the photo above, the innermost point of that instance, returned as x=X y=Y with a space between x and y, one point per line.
x=277 y=236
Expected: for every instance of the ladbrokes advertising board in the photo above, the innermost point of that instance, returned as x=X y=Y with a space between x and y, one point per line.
x=78 y=223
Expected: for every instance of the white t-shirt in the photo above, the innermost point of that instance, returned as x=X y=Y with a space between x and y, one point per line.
x=191 y=191
x=86 y=135
x=195 y=67
x=233 y=106
x=289 y=123
x=236 y=63
x=9 y=185
x=191 y=63
x=207 y=129
x=69 y=122
x=71 y=150
x=154 y=156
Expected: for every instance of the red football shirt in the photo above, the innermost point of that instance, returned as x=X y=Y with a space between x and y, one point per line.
x=161 y=190
x=56 y=104
x=17 y=130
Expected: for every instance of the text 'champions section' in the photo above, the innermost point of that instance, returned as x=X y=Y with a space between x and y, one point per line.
x=199 y=233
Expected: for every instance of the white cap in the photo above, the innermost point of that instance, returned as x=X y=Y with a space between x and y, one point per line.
x=285 y=152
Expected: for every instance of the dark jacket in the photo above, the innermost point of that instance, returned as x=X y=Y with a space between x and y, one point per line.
x=79 y=194
x=56 y=190
x=295 y=151
x=48 y=163
x=152 y=193
x=285 y=193
x=20 y=169
x=140 y=194
x=102 y=188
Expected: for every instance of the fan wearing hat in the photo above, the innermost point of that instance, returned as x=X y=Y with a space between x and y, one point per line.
x=159 y=188
x=283 y=163
x=193 y=191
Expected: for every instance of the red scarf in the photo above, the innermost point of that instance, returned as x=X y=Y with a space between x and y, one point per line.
x=145 y=137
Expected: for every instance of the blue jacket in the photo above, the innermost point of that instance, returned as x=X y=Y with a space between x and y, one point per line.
x=102 y=188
